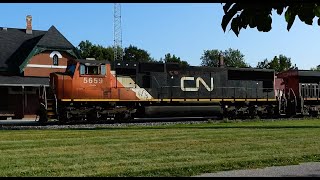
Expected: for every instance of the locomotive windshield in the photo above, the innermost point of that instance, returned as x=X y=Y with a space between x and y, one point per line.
x=71 y=68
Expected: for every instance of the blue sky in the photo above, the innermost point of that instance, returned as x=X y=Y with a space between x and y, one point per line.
x=183 y=29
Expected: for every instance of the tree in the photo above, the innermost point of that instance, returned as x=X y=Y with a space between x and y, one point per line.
x=132 y=53
x=210 y=58
x=232 y=58
x=173 y=58
x=281 y=63
x=263 y=64
x=89 y=50
x=258 y=14
x=317 y=68
x=84 y=48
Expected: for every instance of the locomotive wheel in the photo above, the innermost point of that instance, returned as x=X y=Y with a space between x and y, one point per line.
x=92 y=116
x=253 y=113
x=270 y=112
x=63 y=117
x=43 y=118
x=122 y=117
x=118 y=117
x=232 y=114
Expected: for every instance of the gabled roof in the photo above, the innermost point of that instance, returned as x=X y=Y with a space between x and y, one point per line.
x=16 y=45
x=54 y=39
x=14 y=42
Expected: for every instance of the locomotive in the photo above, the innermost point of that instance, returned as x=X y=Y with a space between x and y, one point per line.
x=98 y=90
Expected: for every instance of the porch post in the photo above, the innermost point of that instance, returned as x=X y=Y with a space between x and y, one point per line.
x=23 y=101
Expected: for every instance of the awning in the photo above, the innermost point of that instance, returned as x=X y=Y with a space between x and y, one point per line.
x=23 y=81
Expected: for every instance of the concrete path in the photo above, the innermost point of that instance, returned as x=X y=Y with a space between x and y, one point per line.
x=311 y=169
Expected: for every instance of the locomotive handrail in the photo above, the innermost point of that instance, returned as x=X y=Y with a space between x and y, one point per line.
x=231 y=87
x=295 y=98
x=156 y=81
x=246 y=93
x=45 y=97
x=55 y=100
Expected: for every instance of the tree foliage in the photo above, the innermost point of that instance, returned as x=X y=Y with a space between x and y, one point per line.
x=317 y=68
x=258 y=14
x=89 y=50
x=232 y=58
x=133 y=53
x=175 y=59
x=279 y=64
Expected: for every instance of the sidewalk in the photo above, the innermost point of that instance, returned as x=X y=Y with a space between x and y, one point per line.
x=311 y=169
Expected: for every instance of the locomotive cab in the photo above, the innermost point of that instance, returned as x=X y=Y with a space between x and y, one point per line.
x=83 y=79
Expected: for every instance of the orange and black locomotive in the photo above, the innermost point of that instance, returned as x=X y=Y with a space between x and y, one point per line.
x=92 y=90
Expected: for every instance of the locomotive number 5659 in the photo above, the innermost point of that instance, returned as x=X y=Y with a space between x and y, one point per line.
x=92 y=80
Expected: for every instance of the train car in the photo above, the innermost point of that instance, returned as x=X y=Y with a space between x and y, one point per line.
x=94 y=90
x=300 y=93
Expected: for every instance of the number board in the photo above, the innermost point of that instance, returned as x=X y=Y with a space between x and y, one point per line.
x=92 y=80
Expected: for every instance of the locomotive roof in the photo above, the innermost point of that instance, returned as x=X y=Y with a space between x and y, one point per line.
x=230 y=68
x=308 y=73
x=301 y=73
x=93 y=62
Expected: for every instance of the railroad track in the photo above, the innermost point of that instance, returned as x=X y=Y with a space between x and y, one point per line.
x=53 y=124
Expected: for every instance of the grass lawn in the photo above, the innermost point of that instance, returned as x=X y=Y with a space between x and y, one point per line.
x=171 y=150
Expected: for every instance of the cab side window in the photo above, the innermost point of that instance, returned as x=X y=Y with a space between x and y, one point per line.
x=103 y=69
x=82 y=69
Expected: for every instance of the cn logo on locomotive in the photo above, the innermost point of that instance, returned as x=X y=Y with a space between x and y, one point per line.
x=198 y=80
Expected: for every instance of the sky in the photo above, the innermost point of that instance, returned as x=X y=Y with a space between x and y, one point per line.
x=182 y=29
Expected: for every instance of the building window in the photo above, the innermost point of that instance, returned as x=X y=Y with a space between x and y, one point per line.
x=55 y=60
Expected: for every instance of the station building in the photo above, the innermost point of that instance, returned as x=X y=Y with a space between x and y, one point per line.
x=27 y=57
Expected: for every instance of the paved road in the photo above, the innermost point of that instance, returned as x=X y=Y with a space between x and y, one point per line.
x=311 y=169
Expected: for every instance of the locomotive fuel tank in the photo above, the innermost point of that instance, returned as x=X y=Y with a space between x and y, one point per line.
x=182 y=111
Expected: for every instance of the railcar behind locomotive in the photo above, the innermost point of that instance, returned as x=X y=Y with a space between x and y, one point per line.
x=300 y=92
x=92 y=90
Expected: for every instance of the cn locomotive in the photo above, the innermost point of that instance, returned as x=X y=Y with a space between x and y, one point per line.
x=97 y=90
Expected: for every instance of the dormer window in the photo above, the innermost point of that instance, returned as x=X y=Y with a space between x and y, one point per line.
x=55 y=60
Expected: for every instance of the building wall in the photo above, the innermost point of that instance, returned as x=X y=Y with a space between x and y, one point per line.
x=42 y=65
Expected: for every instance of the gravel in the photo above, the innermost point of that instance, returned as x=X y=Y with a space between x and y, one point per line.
x=93 y=126
x=145 y=122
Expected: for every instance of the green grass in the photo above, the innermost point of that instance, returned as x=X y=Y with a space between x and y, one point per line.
x=171 y=150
